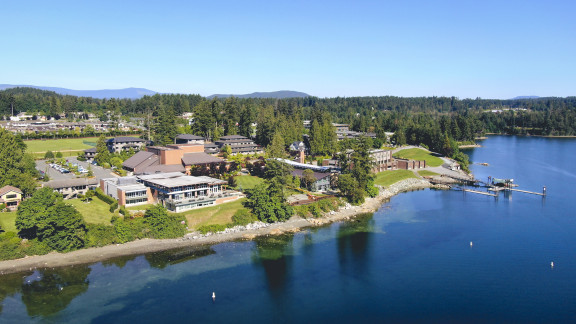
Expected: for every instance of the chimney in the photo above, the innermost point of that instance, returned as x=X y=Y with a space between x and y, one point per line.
x=302 y=156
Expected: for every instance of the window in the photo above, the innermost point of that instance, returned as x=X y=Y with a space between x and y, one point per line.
x=11 y=196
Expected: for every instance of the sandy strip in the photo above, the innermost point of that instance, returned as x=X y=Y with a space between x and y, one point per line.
x=91 y=255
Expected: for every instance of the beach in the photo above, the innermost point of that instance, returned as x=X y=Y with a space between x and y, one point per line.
x=143 y=246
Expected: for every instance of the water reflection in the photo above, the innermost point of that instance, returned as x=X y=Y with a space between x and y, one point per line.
x=272 y=254
x=354 y=242
x=162 y=259
x=48 y=291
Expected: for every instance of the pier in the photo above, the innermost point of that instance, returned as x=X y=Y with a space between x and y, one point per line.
x=543 y=193
x=480 y=192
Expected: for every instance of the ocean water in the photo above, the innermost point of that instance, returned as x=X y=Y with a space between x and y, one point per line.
x=411 y=261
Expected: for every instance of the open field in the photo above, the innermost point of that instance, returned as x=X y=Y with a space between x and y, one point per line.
x=7 y=221
x=386 y=178
x=419 y=154
x=426 y=173
x=221 y=214
x=95 y=212
x=248 y=181
x=63 y=145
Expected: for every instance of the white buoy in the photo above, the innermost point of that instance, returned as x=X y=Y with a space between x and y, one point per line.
x=471 y=243
x=552 y=264
x=213 y=296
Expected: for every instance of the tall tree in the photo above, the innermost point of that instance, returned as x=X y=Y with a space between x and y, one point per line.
x=17 y=168
x=102 y=153
x=165 y=130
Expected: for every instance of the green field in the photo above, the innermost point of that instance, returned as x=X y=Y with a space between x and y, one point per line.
x=94 y=212
x=7 y=221
x=419 y=154
x=60 y=145
x=387 y=178
x=248 y=182
x=426 y=173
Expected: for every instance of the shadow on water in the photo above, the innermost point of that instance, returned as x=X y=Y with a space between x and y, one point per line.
x=48 y=291
x=161 y=260
x=354 y=242
x=273 y=254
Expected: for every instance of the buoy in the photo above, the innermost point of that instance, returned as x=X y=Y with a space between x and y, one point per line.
x=552 y=264
x=471 y=243
x=213 y=296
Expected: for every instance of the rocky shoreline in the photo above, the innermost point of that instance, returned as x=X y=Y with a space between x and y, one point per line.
x=247 y=232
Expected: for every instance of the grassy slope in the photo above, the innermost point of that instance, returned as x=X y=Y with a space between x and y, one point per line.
x=248 y=181
x=426 y=173
x=65 y=144
x=95 y=212
x=221 y=214
x=419 y=154
x=387 y=178
x=7 y=221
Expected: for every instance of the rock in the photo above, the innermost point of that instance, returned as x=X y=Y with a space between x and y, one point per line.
x=249 y=236
x=276 y=231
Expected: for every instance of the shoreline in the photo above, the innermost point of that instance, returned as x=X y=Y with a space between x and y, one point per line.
x=294 y=225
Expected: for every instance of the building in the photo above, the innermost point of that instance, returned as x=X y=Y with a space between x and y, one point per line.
x=405 y=164
x=322 y=182
x=188 y=139
x=71 y=188
x=125 y=143
x=176 y=191
x=127 y=190
x=11 y=197
x=171 y=158
x=239 y=144
x=90 y=154
x=383 y=160
x=341 y=127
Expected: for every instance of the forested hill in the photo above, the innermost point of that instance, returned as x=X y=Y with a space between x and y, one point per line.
x=539 y=116
x=275 y=94
x=128 y=93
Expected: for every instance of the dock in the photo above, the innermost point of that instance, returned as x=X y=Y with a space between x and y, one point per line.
x=529 y=192
x=480 y=192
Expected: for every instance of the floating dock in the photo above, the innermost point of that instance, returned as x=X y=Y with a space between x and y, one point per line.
x=480 y=192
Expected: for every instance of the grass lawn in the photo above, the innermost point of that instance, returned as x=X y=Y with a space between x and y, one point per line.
x=60 y=145
x=420 y=154
x=221 y=214
x=95 y=212
x=7 y=220
x=387 y=178
x=248 y=181
x=426 y=173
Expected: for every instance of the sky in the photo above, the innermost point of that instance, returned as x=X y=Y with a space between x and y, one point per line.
x=463 y=48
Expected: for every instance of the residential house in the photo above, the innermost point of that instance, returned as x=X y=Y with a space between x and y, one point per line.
x=90 y=154
x=71 y=188
x=11 y=197
x=322 y=182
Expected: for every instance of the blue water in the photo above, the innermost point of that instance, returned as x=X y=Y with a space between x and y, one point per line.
x=409 y=262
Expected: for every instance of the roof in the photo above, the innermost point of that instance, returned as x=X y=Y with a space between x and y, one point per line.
x=7 y=189
x=189 y=137
x=65 y=183
x=210 y=145
x=152 y=169
x=177 y=179
x=122 y=139
x=317 y=175
x=139 y=158
x=231 y=137
x=90 y=150
x=199 y=158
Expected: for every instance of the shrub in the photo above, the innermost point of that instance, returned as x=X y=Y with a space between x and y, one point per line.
x=59 y=155
x=212 y=228
x=243 y=217
x=102 y=196
x=124 y=211
x=113 y=206
x=101 y=235
x=48 y=155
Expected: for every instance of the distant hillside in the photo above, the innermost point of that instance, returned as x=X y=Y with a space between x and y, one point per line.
x=128 y=93
x=525 y=97
x=275 y=94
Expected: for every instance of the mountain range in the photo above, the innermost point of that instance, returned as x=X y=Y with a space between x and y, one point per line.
x=136 y=93
x=274 y=94
x=128 y=93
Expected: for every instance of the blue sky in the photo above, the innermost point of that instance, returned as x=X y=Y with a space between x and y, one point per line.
x=489 y=49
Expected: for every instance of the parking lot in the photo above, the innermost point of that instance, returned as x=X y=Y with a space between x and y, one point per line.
x=57 y=173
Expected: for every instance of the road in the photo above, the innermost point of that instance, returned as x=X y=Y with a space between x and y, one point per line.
x=99 y=172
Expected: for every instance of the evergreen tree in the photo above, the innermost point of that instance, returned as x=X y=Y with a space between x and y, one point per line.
x=277 y=149
x=165 y=130
x=102 y=154
x=17 y=168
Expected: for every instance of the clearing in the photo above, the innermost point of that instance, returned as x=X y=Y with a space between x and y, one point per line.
x=420 y=154
x=386 y=178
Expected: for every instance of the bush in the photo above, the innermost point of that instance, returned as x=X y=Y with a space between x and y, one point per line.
x=101 y=235
x=243 y=217
x=124 y=211
x=113 y=206
x=102 y=196
x=59 y=155
x=212 y=228
x=48 y=155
